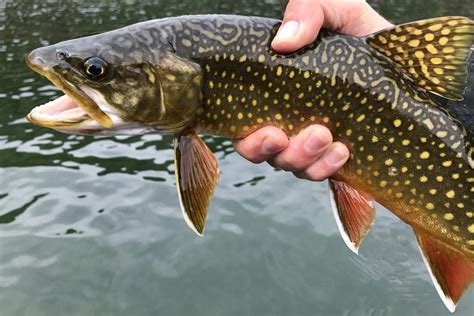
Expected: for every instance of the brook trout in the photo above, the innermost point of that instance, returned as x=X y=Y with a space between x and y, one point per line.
x=218 y=75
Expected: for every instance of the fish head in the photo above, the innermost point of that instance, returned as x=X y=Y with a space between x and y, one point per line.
x=114 y=84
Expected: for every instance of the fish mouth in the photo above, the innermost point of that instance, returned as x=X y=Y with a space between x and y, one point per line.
x=75 y=110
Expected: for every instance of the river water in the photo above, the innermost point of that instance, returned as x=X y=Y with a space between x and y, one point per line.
x=92 y=226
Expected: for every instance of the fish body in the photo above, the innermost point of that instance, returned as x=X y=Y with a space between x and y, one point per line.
x=217 y=75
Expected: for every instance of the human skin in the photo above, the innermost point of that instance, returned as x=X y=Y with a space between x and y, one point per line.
x=311 y=154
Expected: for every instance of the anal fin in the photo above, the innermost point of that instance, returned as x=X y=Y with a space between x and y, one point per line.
x=450 y=270
x=354 y=213
x=197 y=172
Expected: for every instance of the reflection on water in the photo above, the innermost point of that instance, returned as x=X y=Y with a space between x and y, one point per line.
x=92 y=225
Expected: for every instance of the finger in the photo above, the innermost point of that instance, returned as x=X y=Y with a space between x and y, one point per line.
x=262 y=144
x=304 y=149
x=301 y=24
x=332 y=160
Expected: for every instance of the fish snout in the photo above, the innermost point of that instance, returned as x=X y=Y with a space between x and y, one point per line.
x=41 y=58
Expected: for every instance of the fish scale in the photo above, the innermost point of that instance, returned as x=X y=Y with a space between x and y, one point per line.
x=217 y=75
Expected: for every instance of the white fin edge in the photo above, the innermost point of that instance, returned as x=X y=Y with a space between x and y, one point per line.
x=446 y=300
x=183 y=211
x=342 y=231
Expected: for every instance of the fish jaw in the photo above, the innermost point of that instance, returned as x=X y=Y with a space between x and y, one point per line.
x=75 y=110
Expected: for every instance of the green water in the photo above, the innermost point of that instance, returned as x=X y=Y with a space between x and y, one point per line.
x=92 y=226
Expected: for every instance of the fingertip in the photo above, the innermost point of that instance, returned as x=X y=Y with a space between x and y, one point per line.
x=337 y=155
x=333 y=159
x=317 y=137
x=262 y=144
x=300 y=26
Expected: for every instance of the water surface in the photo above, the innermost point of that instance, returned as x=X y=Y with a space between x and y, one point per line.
x=92 y=226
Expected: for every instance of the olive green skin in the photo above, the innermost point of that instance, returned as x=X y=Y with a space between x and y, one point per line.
x=219 y=76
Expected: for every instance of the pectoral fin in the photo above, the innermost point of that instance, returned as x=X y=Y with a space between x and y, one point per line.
x=354 y=213
x=197 y=172
x=450 y=270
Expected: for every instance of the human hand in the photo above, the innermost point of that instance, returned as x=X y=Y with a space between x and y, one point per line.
x=311 y=154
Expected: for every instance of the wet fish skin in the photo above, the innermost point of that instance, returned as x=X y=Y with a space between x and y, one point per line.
x=217 y=75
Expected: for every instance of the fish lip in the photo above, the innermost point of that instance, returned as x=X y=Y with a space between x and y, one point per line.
x=83 y=101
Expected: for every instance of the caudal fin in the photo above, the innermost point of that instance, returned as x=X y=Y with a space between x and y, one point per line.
x=451 y=271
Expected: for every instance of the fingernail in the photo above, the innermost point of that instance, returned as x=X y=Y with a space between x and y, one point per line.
x=335 y=156
x=288 y=30
x=314 y=143
x=270 y=147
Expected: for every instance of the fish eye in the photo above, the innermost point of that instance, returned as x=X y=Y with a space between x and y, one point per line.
x=95 y=68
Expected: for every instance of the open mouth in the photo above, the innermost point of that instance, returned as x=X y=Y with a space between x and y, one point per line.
x=76 y=110
x=61 y=112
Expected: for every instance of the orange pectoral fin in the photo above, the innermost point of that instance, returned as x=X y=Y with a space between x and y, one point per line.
x=197 y=172
x=450 y=269
x=354 y=213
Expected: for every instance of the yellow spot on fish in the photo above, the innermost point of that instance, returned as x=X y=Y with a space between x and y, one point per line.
x=186 y=42
x=306 y=74
x=435 y=27
x=450 y=194
x=278 y=116
x=471 y=228
x=389 y=162
x=429 y=37
x=423 y=179
x=443 y=41
x=430 y=206
x=433 y=191
x=375 y=139
x=425 y=155
x=414 y=43
x=279 y=70
x=436 y=60
x=370 y=158
x=447 y=163
x=360 y=118
x=441 y=134
x=419 y=54
x=460 y=205
x=397 y=123
x=448 y=216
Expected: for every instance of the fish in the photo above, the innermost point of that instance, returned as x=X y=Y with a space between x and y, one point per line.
x=217 y=75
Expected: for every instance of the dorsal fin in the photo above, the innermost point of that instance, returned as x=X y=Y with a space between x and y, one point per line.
x=432 y=52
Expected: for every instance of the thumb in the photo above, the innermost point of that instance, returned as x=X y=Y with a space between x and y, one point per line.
x=301 y=24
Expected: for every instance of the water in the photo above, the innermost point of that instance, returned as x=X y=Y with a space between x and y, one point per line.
x=91 y=226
